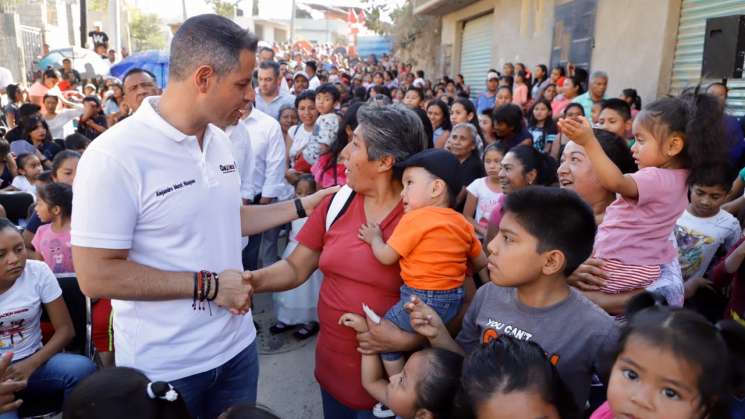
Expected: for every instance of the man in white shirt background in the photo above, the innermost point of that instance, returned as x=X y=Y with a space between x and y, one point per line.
x=155 y=218
x=310 y=70
x=6 y=78
x=268 y=184
x=138 y=84
x=269 y=98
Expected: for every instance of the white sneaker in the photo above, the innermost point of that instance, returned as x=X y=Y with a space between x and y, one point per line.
x=382 y=411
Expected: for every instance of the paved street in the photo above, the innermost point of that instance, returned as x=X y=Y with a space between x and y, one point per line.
x=286 y=382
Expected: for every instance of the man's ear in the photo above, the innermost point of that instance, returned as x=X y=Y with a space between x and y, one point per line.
x=203 y=77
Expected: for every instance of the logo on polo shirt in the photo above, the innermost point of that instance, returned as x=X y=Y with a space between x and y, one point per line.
x=228 y=168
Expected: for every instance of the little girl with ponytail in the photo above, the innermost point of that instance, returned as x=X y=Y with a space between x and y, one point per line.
x=674 y=364
x=119 y=393
x=677 y=138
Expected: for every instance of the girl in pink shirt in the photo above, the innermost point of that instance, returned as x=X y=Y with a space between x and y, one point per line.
x=673 y=363
x=675 y=137
x=52 y=241
x=520 y=90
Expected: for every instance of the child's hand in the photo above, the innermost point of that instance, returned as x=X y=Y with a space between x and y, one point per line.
x=424 y=320
x=368 y=232
x=694 y=284
x=354 y=321
x=578 y=130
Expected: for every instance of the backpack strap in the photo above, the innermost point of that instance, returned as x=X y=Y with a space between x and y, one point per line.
x=339 y=204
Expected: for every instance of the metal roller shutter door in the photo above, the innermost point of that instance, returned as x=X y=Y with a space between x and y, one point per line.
x=689 y=48
x=475 y=52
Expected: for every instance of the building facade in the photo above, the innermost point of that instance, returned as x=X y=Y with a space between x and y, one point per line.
x=655 y=46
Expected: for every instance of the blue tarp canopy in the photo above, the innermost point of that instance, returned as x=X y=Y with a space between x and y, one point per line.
x=376 y=45
x=153 y=61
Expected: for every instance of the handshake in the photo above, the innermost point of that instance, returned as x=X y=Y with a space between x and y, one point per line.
x=235 y=291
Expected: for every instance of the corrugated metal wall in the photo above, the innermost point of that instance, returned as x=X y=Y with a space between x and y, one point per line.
x=689 y=48
x=475 y=52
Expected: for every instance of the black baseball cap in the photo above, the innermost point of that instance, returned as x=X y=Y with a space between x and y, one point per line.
x=439 y=163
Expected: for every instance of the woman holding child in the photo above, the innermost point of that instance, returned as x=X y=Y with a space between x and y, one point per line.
x=384 y=137
x=577 y=173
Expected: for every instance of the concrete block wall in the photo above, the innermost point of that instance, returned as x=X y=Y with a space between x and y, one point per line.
x=10 y=46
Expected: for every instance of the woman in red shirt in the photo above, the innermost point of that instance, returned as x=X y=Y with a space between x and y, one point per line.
x=386 y=135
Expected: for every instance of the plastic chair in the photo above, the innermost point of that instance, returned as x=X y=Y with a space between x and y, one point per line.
x=16 y=204
x=79 y=307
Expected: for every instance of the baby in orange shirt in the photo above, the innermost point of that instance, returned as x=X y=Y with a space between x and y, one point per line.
x=433 y=243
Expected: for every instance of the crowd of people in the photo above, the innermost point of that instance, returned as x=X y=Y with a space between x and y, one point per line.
x=542 y=249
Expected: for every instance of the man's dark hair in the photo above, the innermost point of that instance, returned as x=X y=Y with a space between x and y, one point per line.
x=138 y=70
x=76 y=142
x=93 y=99
x=330 y=89
x=208 y=40
x=28 y=109
x=420 y=74
x=618 y=105
x=559 y=220
x=270 y=65
x=510 y=114
x=311 y=64
x=266 y=49
x=51 y=73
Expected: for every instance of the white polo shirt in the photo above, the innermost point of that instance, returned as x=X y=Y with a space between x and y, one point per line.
x=268 y=156
x=147 y=187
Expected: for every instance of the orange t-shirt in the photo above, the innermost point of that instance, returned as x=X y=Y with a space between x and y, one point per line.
x=435 y=245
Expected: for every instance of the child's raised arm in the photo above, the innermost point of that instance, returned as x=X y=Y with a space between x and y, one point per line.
x=426 y=322
x=371 y=234
x=469 y=211
x=579 y=130
x=372 y=372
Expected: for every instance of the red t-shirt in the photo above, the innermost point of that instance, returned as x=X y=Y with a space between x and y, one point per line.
x=351 y=276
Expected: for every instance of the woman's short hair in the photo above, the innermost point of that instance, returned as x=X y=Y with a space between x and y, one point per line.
x=392 y=130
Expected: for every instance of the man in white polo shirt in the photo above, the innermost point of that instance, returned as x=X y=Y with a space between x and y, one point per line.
x=158 y=217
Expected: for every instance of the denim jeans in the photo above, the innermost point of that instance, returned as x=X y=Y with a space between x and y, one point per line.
x=60 y=374
x=333 y=409
x=447 y=304
x=210 y=393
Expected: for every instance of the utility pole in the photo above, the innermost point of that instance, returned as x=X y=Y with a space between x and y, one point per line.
x=183 y=10
x=117 y=27
x=83 y=24
x=292 y=24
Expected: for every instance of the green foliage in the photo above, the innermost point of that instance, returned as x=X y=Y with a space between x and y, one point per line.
x=225 y=8
x=373 y=16
x=146 y=31
x=98 y=5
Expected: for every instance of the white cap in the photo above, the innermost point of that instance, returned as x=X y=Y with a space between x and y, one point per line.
x=492 y=75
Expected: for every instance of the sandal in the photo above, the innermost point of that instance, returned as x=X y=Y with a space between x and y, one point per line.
x=280 y=327
x=307 y=330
